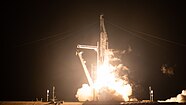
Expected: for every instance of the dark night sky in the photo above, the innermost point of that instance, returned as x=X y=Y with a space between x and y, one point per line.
x=40 y=38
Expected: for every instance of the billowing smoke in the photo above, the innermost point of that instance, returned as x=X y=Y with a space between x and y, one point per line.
x=85 y=93
x=111 y=84
x=181 y=98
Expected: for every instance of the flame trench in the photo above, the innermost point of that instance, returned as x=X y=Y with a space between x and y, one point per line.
x=111 y=78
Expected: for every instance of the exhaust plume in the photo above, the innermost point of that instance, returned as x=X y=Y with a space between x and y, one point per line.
x=111 y=83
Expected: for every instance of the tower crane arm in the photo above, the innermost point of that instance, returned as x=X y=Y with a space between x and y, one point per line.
x=87 y=47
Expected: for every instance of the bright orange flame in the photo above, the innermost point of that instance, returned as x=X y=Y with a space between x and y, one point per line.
x=107 y=80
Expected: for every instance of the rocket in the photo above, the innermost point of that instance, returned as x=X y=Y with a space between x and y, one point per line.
x=103 y=42
x=101 y=49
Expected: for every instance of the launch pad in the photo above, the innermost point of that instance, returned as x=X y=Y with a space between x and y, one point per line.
x=102 y=55
x=87 y=103
x=131 y=103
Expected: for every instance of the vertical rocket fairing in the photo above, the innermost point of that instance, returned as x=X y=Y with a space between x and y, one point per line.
x=103 y=42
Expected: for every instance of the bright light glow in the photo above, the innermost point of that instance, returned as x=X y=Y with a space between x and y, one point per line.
x=111 y=82
x=84 y=93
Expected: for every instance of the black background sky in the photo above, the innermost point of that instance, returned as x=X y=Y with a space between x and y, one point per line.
x=40 y=38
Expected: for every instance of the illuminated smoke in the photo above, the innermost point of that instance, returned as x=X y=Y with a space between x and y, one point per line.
x=85 y=93
x=181 y=98
x=111 y=82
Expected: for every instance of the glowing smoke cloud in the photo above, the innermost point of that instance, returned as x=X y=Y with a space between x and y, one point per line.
x=111 y=82
x=85 y=93
x=181 y=98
